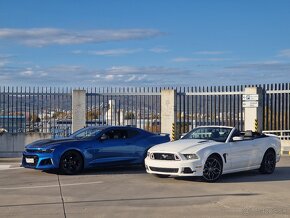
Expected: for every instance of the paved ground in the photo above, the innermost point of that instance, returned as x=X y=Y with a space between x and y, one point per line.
x=130 y=192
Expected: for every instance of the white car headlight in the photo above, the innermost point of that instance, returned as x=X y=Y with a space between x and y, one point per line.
x=190 y=156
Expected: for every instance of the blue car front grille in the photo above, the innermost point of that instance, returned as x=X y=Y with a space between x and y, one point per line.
x=45 y=162
x=31 y=151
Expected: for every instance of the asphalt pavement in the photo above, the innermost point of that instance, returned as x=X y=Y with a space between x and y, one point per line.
x=130 y=192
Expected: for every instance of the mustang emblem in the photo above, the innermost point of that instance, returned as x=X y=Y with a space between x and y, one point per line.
x=164 y=156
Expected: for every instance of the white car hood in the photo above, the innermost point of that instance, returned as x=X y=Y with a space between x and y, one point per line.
x=183 y=146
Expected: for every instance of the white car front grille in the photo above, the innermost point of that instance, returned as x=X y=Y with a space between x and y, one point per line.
x=164 y=156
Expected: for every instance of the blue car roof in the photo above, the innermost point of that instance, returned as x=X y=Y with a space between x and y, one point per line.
x=113 y=127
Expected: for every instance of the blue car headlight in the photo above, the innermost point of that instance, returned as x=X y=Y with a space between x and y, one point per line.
x=40 y=151
x=49 y=150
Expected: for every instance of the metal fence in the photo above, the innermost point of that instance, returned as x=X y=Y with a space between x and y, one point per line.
x=276 y=106
x=282 y=134
x=139 y=107
x=48 y=110
x=25 y=109
x=221 y=105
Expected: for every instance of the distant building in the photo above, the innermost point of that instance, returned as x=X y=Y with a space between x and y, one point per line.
x=13 y=123
x=113 y=116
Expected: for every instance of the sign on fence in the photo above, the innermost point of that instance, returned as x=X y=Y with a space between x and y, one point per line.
x=251 y=97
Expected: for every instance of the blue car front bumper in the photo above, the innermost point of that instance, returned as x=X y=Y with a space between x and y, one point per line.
x=41 y=161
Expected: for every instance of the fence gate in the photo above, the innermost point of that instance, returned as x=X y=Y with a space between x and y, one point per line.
x=139 y=107
x=198 y=106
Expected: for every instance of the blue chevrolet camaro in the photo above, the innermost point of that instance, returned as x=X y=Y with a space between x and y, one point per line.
x=91 y=147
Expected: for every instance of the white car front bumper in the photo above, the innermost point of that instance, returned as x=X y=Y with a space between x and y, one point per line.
x=174 y=167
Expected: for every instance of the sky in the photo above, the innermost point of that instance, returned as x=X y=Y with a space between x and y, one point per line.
x=72 y=43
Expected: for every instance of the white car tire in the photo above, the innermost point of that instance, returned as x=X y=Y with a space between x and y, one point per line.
x=268 y=164
x=213 y=168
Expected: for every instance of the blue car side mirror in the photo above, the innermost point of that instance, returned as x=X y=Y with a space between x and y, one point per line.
x=103 y=137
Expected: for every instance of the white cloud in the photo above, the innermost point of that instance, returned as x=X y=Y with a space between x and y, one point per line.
x=153 y=70
x=185 y=59
x=269 y=71
x=27 y=72
x=136 y=78
x=109 y=52
x=210 y=52
x=131 y=78
x=4 y=60
x=284 y=53
x=159 y=50
x=182 y=59
x=109 y=77
x=65 y=69
x=265 y=66
x=51 y=36
x=122 y=70
x=77 y=52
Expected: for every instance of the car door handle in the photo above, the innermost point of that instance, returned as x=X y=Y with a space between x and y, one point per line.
x=128 y=143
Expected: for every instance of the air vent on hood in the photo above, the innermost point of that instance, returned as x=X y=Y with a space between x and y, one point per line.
x=203 y=141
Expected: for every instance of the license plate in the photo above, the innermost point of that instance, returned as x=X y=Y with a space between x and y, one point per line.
x=29 y=160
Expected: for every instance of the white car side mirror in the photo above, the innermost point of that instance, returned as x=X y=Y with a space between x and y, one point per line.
x=238 y=138
x=183 y=135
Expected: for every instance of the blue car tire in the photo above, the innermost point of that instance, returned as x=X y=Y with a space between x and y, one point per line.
x=71 y=163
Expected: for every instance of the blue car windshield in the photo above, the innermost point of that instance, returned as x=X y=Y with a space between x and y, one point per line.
x=85 y=133
x=219 y=134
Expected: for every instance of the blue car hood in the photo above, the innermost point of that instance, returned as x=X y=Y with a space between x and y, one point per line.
x=46 y=143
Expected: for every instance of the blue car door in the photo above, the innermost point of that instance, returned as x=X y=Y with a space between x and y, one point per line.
x=113 y=147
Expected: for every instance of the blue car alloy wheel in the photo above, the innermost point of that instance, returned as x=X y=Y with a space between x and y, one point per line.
x=71 y=162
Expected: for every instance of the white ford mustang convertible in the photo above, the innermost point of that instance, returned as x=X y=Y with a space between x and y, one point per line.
x=211 y=151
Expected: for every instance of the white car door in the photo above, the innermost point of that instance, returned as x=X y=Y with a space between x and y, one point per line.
x=242 y=154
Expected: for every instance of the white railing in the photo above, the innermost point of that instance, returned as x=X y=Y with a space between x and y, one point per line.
x=282 y=134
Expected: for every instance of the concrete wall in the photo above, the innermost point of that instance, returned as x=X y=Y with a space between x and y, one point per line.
x=254 y=115
x=78 y=109
x=168 y=111
x=285 y=147
x=12 y=145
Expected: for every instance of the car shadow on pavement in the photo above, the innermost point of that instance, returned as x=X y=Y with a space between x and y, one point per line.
x=280 y=174
x=107 y=170
x=115 y=170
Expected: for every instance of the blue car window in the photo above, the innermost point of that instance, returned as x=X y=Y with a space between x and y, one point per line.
x=116 y=134
x=85 y=133
x=132 y=133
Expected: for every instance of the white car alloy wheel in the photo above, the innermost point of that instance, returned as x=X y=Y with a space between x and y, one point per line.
x=212 y=169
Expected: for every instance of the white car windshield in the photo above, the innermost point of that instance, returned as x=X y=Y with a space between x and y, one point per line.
x=85 y=133
x=219 y=134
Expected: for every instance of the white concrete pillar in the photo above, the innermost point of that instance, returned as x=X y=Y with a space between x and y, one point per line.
x=78 y=109
x=168 y=111
x=252 y=102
